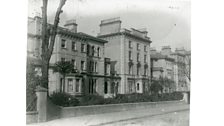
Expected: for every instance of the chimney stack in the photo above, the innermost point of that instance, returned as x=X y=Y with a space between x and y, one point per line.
x=109 y=26
x=166 y=50
x=71 y=25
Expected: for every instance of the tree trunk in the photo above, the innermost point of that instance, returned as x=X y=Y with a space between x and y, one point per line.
x=63 y=83
x=48 y=33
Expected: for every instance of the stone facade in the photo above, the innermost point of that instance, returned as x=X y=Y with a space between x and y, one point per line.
x=86 y=52
x=130 y=49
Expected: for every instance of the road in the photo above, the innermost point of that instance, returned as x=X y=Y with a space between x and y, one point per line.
x=180 y=118
x=176 y=115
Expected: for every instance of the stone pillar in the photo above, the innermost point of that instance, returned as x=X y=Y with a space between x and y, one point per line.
x=186 y=97
x=41 y=104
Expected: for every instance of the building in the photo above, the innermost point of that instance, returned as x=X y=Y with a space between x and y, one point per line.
x=172 y=65
x=182 y=68
x=130 y=48
x=162 y=66
x=86 y=52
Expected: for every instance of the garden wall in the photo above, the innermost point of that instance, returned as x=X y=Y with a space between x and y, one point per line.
x=99 y=109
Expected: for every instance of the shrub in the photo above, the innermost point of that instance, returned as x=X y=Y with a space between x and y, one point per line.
x=63 y=99
x=91 y=100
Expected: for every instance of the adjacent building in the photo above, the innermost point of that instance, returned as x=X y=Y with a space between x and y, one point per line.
x=162 y=66
x=130 y=49
x=172 y=65
x=183 y=84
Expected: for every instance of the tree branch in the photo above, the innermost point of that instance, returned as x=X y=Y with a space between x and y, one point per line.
x=55 y=26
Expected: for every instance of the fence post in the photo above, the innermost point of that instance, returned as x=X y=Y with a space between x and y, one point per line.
x=41 y=104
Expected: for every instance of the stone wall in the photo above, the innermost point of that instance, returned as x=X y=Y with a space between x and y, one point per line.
x=99 y=109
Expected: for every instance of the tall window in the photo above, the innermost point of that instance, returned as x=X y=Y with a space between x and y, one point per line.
x=77 y=85
x=98 y=51
x=63 y=43
x=70 y=85
x=105 y=87
x=138 y=86
x=107 y=69
x=145 y=71
x=93 y=50
x=83 y=47
x=145 y=48
x=83 y=65
x=95 y=67
x=145 y=58
x=130 y=55
x=138 y=46
x=138 y=68
x=130 y=44
x=130 y=69
x=74 y=63
x=138 y=57
x=73 y=45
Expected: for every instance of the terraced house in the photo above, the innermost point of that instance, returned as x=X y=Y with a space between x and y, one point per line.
x=130 y=48
x=86 y=52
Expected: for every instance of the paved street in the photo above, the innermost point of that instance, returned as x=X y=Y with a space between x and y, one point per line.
x=177 y=115
x=180 y=118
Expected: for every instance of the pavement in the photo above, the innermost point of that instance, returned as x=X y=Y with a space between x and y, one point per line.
x=117 y=118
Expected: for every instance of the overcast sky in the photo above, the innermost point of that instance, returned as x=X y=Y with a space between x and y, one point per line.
x=167 y=21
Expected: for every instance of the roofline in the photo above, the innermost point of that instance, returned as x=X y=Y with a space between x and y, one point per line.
x=124 y=33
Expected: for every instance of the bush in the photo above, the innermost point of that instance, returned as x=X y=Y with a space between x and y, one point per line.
x=64 y=99
x=92 y=100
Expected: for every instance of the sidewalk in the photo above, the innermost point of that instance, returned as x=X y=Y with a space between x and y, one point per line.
x=108 y=118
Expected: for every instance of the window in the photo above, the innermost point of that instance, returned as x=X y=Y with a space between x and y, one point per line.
x=130 y=55
x=83 y=65
x=70 y=85
x=130 y=69
x=130 y=44
x=83 y=47
x=138 y=86
x=145 y=58
x=138 y=68
x=63 y=43
x=63 y=59
x=105 y=87
x=74 y=63
x=73 y=45
x=145 y=71
x=93 y=50
x=138 y=46
x=98 y=51
x=95 y=67
x=145 y=48
x=77 y=85
x=138 y=57
x=107 y=69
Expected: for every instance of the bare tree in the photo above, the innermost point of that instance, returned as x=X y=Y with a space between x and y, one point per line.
x=48 y=35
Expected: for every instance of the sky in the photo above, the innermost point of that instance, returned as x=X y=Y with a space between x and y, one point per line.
x=168 y=22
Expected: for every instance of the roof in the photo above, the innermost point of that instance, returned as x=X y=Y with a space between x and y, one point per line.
x=65 y=31
x=160 y=56
x=147 y=39
x=79 y=35
x=91 y=37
